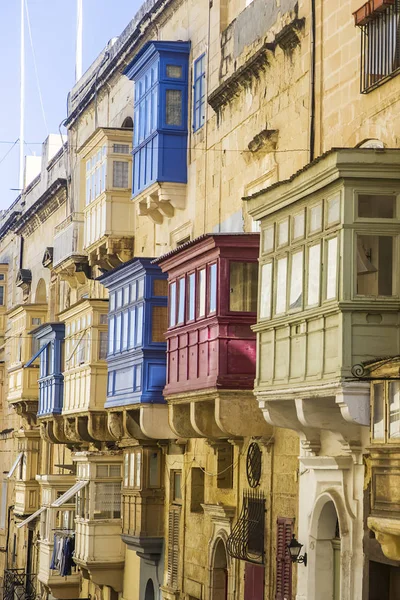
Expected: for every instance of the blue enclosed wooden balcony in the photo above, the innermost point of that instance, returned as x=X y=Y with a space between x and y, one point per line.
x=137 y=320
x=50 y=339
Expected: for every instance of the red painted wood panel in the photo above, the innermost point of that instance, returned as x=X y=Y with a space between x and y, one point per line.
x=253 y=582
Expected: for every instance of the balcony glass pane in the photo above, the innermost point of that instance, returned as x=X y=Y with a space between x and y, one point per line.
x=243 y=286
x=107 y=503
x=173 y=108
x=126 y=470
x=296 y=281
x=139 y=325
x=298 y=226
x=159 y=324
x=331 y=276
x=172 y=304
x=281 y=282
x=213 y=288
x=315 y=218
x=177 y=485
x=376 y=207
x=111 y=335
x=333 y=213
x=132 y=469
x=181 y=301
x=266 y=291
x=132 y=327
x=120 y=174
x=191 y=296
x=125 y=330
x=202 y=292
x=154 y=469
x=283 y=233
x=314 y=274
x=138 y=469
x=268 y=239
x=378 y=416
x=160 y=287
x=374 y=265
x=394 y=409
x=140 y=289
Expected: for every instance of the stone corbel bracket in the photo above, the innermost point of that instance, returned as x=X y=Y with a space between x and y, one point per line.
x=161 y=200
x=288 y=38
x=387 y=532
x=265 y=141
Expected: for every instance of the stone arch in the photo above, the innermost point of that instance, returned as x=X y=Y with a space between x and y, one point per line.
x=41 y=292
x=127 y=123
x=149 y=592
x=329 y=550
x=219 y=571
x=370 y=143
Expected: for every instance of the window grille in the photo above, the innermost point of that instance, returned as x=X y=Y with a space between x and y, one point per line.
x=246 y=542
x=121 y=148
x=120 y=174
x=380 y=47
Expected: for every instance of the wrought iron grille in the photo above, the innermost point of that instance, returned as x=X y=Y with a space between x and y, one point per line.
x=380 y=46
x=246 y=542
x=19 y=585
x=253 y=465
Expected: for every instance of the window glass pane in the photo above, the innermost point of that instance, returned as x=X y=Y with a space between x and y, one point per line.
x=118 y=336
x=173 y=108
x=213 y=288
x=268 y=239
x=316 y=218
x=138 y=378
x=160 y=287
x=172 y=304
x=374 y=265
x=281 y=282
x=314 y=274
x=126 y=470
x=159 y=323
x=132 y=327
x=154 y=472
x=139 y=325
x=120 y=174
x=202 y=292
x=331 y=275
x=107 y=503
x=132 y=470
x=378 y=417
x=243 y=285
x=266 y=291
x=140 y=289
x=394 y=409
x=283 y=232
x=298 y=225
x=103 y=345
x=296 y=281
x=125 y=329
x=177 y=490
x=138 y=470
x=191 y=296
x=333 y=215
x=181 y=301
x=376 y=207
x=121 y=148
x=111 y=335
x=174 y=71
x=1 y=295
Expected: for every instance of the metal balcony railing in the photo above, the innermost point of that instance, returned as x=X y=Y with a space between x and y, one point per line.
x=19 y=585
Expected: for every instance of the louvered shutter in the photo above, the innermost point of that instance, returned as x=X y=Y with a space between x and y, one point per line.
x=173 y=545
x=253 y=582
x=283 y=588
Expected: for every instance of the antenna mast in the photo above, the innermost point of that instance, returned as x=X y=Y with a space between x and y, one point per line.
x=22 y=99
x=79 y=36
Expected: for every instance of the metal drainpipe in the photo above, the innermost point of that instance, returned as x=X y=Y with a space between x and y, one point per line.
x=21 y=251
x=312 y=76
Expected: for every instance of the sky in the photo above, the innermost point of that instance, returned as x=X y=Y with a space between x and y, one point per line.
x=53 y=26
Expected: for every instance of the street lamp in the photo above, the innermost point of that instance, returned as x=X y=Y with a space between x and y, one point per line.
x=294 y=550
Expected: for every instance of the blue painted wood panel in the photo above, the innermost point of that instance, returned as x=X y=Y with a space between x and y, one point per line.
x=51 y=379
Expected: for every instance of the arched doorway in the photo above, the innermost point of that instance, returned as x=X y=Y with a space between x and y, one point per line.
x=325 y=580
x=219 y=574
x=41 y=292
x=149 y=593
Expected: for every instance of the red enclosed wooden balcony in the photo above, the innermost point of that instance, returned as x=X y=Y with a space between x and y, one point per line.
x=211 y=348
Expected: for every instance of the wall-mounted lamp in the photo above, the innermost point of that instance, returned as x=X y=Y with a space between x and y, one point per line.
x=294 y=550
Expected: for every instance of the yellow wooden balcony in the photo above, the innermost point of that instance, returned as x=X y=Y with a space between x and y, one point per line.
x=106 y=183
x=22 y=383
x=85 y=371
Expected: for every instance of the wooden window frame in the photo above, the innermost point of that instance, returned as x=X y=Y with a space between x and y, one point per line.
x=283 y=573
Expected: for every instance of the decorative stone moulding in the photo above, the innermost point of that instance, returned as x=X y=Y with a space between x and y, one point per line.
x=140 y=423
x=288 y=38
x=387 y=532
x=367 y=11
x=24 y=281
x=47 y=260
x=160 y=201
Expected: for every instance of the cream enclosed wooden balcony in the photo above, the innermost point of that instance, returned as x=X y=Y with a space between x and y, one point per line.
x=23 y=382
x=329 y=293
x=106 y=184
x=85 y=371
x=99 y=549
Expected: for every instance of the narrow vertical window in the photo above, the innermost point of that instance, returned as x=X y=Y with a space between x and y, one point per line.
x=213 y=288
x=331 y=275
x=296 y=281
x=202 y=293
x=120 y=174
x=266 y=291
x=378 y=412
x=172 y=304
x=181 y=301
x=314 y=274
x=191 y=296
x=199 y=93
x=281 y=283
x=394 y=409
